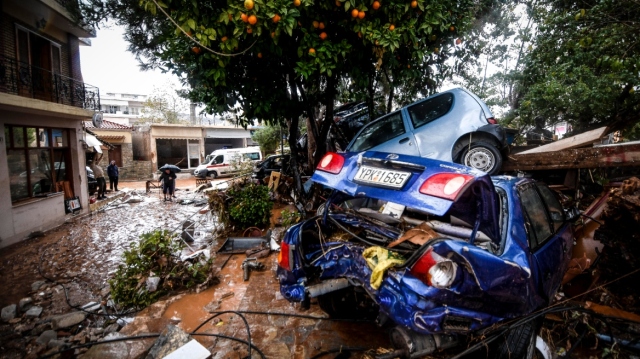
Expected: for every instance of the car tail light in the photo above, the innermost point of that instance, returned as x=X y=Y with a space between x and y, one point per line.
x=445 y=185
x=435 y=270
x=331 y=162
x=492 y=121
x=284 y=257
x=337 y=119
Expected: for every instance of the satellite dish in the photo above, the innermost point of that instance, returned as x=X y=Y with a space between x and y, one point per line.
x=97 y=119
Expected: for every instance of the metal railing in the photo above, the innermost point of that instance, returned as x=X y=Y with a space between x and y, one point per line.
x=22 y=79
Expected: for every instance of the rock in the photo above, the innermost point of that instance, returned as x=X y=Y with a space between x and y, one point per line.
x=34 y=312
x=111 y=328
x=22 y=328
x=170 y=339
x=40 y=328
x=54 y=343
x=15 y=320
x=67 y=320
x=25 y=304
x=36 y=285
x=9 y=312
x=47 y=336
x=152 y=284
x=133 y=349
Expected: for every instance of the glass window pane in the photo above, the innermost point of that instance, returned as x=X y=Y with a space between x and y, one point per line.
x=43 y=137
x=32 y=139
x=40 y=162
x=17 y=174
x=555 y=208
x=61 y=165
x=60 y=138
x=55 y=57
x=379 y=132
x=18 y=137
x=429 y=110
x=533 y=206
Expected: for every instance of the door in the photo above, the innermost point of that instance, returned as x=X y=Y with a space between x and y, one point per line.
x=115 y=154
x=388 y=134
x=41 y=68
x=434 y=126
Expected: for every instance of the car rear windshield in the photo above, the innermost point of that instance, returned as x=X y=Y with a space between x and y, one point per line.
x=429 y=110
x=379 y=132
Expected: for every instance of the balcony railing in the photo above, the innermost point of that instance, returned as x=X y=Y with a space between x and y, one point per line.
x=22 y=79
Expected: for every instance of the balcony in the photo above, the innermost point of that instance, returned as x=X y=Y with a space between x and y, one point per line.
x=22 y=79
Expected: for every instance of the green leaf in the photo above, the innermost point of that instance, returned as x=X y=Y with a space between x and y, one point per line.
x=192 y=24
x=347 y=5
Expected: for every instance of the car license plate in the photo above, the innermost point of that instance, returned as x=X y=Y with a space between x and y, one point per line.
x=382 y=177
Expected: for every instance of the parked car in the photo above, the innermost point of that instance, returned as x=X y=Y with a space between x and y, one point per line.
x=277 y=163
x=453 y=126
x=483 y=249
x=226 y=161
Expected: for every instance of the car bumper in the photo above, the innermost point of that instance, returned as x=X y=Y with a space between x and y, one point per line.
x=496 y=131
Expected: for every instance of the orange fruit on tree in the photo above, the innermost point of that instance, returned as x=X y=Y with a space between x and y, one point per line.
x=452 y=28
x=315 y=24
x=252 y=19
x=249 y=30
x=248 y=4
x=354 y=13
x=321 y=25
x=276 y=18
x=224 y=38
x=376 y=5
x=230 y=16
x=392 y=27
x=243 y=17
x=195 y=49
x=259 y=55
x=273 y=34
x=436 y=50
x=361 y=14
x=323 y=35
x=312 y=50
x=296 y=2
x=414 y=4
x=408 y=66
x=359 y=34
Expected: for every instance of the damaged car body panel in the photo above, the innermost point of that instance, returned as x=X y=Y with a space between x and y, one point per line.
x=502 y=255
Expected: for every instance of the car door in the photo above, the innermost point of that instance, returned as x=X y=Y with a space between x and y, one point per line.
x=387 y=134
x=545 y=243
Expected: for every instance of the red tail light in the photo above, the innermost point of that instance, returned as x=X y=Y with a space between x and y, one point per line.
x=331 y=162
x=284 y=256
x=445 y=185
x=337 y=118
x=492 y=121
x=435 y=270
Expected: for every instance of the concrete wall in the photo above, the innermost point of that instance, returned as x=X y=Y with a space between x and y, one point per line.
x=20 y=219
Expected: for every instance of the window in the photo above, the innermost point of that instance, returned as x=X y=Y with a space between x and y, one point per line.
x=379 y=132
x=429 y=110
x=112 y=109
x=553 y=205
x=37 y=51
x=218 y=160
x=253 y=156
x=536 y=216
x=37 y=158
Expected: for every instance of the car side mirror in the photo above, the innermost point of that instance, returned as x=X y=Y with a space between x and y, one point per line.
x=572 y=214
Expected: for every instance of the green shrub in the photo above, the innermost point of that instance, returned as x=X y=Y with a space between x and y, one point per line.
x=250 y=205
x=156 y=255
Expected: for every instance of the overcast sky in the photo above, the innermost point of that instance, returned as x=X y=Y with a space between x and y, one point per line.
x=108 y=65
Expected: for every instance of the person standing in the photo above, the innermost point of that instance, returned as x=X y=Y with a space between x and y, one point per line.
x=168 y=179
x=98 y=172
x=113 y=173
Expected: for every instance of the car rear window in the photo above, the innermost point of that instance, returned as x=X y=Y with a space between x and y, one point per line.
x=429 y=110
x=536 y=213
x=379 y=132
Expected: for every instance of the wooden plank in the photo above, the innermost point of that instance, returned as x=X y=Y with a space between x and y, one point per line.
x=620 y=155
x=580 y=140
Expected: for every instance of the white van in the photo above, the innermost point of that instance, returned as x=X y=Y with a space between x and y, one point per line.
x=220 y=162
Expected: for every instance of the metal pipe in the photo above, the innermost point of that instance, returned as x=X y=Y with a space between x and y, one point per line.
x=327 y=286
x=446 y=228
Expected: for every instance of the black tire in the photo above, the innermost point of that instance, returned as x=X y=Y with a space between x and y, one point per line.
x=213 y=174
x=518 y=343
x=348 y=303
x=482 y=155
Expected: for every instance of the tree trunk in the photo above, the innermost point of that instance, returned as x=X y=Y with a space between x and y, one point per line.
x=329 y=96
x=293 y=135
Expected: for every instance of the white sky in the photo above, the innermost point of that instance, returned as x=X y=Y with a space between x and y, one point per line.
x=108 y=65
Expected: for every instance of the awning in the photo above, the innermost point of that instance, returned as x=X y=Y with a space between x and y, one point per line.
x=92 y=141
x=94 y=136
x=111 y=137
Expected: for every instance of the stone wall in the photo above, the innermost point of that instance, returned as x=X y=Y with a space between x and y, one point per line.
x=137 y=171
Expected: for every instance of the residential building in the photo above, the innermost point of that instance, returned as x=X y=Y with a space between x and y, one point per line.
x=122 y=108
x=43 y=103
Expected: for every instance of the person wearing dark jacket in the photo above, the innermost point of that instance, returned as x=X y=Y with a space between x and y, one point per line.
x=168 y=179
x=113 y=173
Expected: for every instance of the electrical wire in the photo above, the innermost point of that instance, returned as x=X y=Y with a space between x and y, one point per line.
x=339 y=350
x=405 y=251
x=229 y=312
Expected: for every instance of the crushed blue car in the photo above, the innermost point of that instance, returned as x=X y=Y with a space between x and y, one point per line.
x=455 y=250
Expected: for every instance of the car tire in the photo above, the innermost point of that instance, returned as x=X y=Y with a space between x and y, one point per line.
x=348 y=303
x=482 y=155
x=213 y=174
x=519 y=342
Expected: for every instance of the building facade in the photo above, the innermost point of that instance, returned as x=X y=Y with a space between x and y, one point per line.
x=122 y=108
x=43 y=103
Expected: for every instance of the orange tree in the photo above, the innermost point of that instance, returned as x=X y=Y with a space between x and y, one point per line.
x=276 y=60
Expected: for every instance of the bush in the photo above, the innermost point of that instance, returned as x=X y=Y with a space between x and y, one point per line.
x=250 y=205
x=156 y=255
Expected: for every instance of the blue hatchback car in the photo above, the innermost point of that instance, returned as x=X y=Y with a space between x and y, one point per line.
x=438 y=249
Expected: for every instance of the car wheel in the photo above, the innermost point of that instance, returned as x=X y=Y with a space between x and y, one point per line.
x=519 y=342
x=483 y=156
x=348 y=303
x=213 y=174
